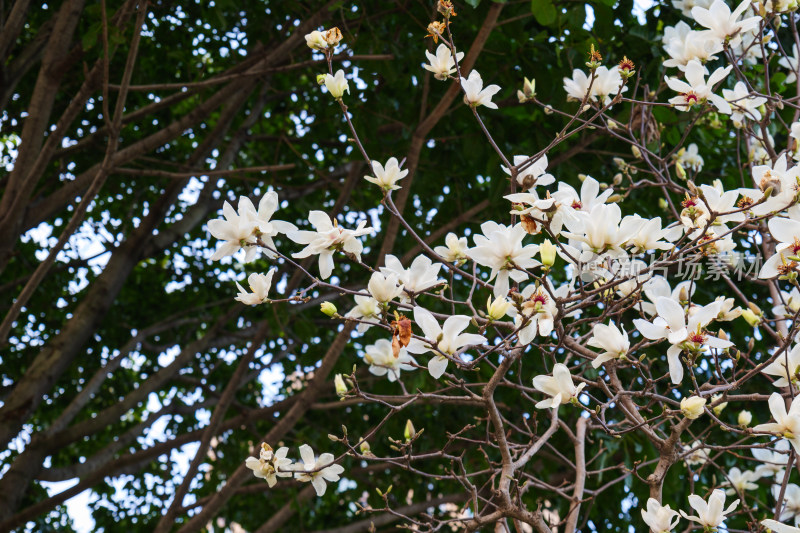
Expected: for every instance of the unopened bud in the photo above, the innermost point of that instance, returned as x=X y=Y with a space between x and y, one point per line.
x=751 y=318
x=409 y=432
x=692 y=407
x=679 y=170
x=341 y=387
x=636 y=152
x=495 y=310
x=745 y=417
x=364 y=448
x=683 y=295
x=548 y=253
x=328 y=308
x=320 y=79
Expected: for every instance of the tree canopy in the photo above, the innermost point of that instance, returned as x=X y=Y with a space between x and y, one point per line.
x=128 y=368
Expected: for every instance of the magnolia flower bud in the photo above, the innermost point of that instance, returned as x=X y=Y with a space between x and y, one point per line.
x=679 y=170
x=341 y=388
x=719 y=407
x=328 y=308
x=751 y=318
x=495 y=310
x=528 y=91
x=683 y=295
x=745 y=417
x=636 y=152
x=321 y=79
x=409 y=432
x=548 y=253
x=692 y=407
x=662 y=203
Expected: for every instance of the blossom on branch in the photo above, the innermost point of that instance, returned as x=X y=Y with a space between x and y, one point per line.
x=474 y=93
x=442 y=64
x=559 y=387
x=328 y=238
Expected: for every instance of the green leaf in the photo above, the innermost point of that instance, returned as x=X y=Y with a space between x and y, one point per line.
x=473 y=3
x=544 y=11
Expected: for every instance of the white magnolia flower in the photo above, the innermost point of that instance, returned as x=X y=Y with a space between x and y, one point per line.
x=689 y=157
x=317 y=471
x=245 y=227
x=696 y=453
x=367 y=310
x=382 y=361
x=259 y=284
x=535 y=174
x=671 y=324
x=791 y=501
x=792 y=63
x=559 y=387
x=384 y=288
x=745 y=106
x=721 y=202
x=787 y=424
x=658 y=287
x=387 y=177
x=442 y=64
x=448 y=339
x=610 y=338
x=316 y=40
x=455 y=248
x=661 y=519
x=337 y=84
x=772 y=461
x=578 y=86
x=785 y=367
x=474 y=93
x=420 y=276
x=777 y=527
x=739 y=482
x=645 y=234
x=685 y=47
x=777 y=177
x=598 y=231
x=327 y=238
x=270 y=465
x=787 y=232
x=692 y=407
x=606 y=85
x=696 y=89
x=536 y=211
x=539 y=310
x=589 y=197
x=500 y=248
x=721 y=23
x=711 y=514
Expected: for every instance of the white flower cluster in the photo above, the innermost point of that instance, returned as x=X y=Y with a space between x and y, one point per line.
x=270 y=465
x=602 y=251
